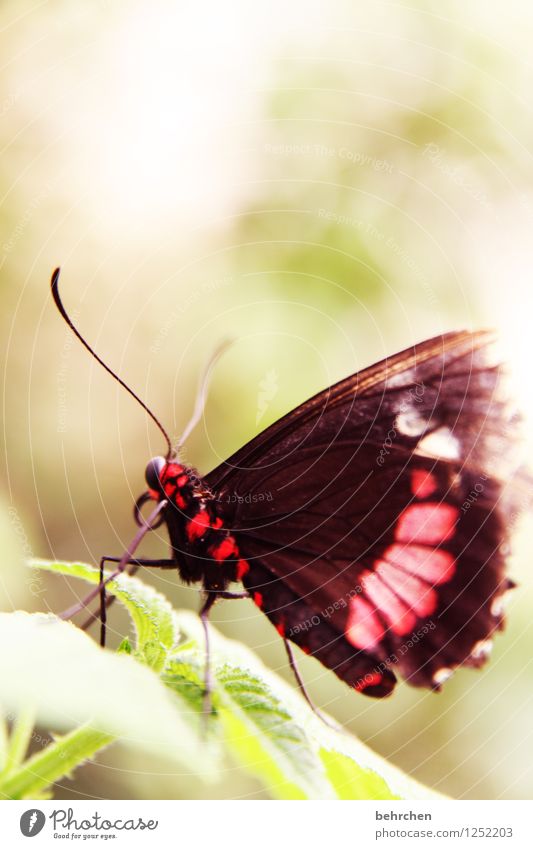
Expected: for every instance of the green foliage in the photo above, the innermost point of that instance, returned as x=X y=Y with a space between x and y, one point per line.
x=149 y=694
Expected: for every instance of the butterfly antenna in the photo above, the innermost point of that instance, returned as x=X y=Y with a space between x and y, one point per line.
x=54 y=283
x=203 y=387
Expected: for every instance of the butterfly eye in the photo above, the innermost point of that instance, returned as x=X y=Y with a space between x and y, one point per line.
x=153 y=471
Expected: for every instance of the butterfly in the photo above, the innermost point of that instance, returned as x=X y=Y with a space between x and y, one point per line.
x=370 y=525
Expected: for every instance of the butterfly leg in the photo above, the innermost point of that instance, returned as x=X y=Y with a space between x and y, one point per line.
x=208 y=681
x=103 y=604
x=105 y=600
x=122 y=563
x=204 y=616
x=233 y=595
x=301 y=686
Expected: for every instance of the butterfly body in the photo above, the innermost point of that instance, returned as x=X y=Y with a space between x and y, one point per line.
x=203 y=549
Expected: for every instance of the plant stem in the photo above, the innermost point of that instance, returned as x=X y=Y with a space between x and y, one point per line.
x=55 y=761
x=19 y=740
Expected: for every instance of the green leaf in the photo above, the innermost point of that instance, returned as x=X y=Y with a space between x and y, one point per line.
x=261 y=721
x=151 y=613
x=256 y=726
x=59 y=672
x=125 y=647
x=268 y=741
x=271 y=730
x=351 y=781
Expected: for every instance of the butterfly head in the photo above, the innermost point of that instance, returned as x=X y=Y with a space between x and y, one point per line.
x=171 y=481
x=167 y=481
x=152 y=474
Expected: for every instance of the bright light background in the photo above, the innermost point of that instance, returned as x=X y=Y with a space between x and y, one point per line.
x=324 y=181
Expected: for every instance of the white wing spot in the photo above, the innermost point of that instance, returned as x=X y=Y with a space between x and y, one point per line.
x=499 y=604
x=400 y=380
x=442 y=675
x=441 y=444
x=481 y=650
x=410 y=423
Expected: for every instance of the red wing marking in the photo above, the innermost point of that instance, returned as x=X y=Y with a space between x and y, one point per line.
x=392 y=607
x=423 y=483
x=197 y=526
x=224 y=549
x=418 y=596
x=429 y=524
x=258 y=599
x=371 y=679
x=242 y=568
x=398 y=592
x=436 y=566
x=364 y=628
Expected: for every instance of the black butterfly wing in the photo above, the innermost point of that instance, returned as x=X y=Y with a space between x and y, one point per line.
x=372 y=527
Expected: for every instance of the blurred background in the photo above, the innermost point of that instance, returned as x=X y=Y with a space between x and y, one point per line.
x=325 y=182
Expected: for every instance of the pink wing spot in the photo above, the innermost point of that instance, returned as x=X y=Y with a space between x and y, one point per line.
x=434 y=565
x=371 y=679
x=364 y=628
x=280 y=628
x=258 y=599
x=429 y=524
x=198 y=525
x=394 y=610
x=420 y=597
x=423 y=483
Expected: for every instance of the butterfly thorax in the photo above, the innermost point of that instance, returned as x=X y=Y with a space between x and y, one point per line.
x=204 y=549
